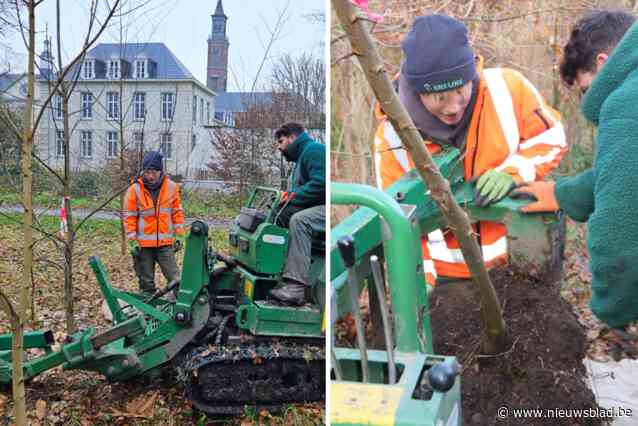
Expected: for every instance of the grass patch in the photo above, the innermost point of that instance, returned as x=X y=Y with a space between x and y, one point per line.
x=104 y=228
x=210 y=204
x=195 y=203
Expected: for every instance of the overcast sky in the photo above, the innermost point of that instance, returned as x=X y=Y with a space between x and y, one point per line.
x=184 y=26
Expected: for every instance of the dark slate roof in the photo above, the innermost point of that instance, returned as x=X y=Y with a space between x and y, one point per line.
x=8 y=80
x=168 y=66
x=238 y=101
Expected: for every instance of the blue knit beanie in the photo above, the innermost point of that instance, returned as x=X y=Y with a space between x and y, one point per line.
x=438 y=56
x=153 y=161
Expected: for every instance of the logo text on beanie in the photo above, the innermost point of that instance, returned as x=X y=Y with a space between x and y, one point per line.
x=443 y=86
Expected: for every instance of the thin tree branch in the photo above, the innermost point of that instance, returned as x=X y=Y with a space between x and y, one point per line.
x=64 y=72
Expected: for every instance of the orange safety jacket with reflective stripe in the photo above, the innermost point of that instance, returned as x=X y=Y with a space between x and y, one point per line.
x=513 y=130
x=153 y=225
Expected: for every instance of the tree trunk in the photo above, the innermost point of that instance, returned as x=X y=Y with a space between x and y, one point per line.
x=69 y=234
x=17 y=348
x=120 y=177
x=494 y=332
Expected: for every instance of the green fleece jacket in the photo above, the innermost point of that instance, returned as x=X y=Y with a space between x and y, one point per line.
x=308 y=180
x=606 y=196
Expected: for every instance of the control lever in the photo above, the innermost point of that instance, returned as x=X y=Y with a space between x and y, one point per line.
x=377 y=275
x=346 y=249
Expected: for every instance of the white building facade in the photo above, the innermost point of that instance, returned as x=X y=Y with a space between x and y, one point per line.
x=128 y=95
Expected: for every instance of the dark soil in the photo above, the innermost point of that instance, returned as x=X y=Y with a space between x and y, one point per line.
x=542 y=367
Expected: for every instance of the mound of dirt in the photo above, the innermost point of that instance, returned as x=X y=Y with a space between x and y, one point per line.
x=542 y=368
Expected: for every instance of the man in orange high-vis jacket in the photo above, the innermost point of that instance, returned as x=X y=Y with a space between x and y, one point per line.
x=154 y=222
x=507 y=133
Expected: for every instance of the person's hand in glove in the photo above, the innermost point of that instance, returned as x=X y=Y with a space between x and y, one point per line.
x=180 y=241
x=492 y=186
x=542 y=193
x=286 y=197
x=133 y=246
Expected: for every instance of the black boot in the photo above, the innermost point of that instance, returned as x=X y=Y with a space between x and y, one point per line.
x=290 y=292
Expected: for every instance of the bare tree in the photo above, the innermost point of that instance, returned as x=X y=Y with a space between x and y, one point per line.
x=235 y=152
x=126 y=156
x=7 y=26
x=62 y=83
x=494 y=337
x=18 y=316
x=303 y=80
x=59 y=85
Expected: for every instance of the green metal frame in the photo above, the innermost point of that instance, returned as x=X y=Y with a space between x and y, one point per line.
x=259 y=270
x=144 y=335
x=263 y=251
x=267 y=320
x=32 y=339
x=407 y=411
x=403 y=257
x=389 y=224
x=148 y=333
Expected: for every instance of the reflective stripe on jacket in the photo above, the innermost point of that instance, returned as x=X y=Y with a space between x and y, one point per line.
x=153 y=225
x=513 y=130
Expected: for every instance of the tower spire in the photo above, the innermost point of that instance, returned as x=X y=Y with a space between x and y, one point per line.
x=217 y=69
x=219 y=10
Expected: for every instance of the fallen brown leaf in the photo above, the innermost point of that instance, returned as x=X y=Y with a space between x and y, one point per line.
x=142 y=407
x=40 y=409
x=265 y=413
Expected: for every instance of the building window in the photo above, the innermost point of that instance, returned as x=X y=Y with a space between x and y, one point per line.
x=216 y=52
x=213 y=82
x=57 y=107
x=140 y=68
x=138 y=139
x=87 y=105
x=88 y=69
x=207 y=112
x=193 y=141
x=139 y=106
x=59 y=143
x=114 y=69
x=111 y=144
x=201 y=110
x=167 y=106
x=194 y=109
x=86 y=144
x=219 y=116
x=112 y=106
x=166 y=145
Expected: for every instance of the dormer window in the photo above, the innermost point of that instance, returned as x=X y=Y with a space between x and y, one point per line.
x=113 y=71
x=141 y=69
x=88 y=69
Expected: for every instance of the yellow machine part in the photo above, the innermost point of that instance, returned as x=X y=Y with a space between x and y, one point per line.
x=364 y=404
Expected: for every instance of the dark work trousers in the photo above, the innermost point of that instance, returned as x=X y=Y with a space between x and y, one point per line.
x=149 y=256
x=301 y=224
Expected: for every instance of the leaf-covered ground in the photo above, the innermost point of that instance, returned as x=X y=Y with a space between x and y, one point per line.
x=82 y=398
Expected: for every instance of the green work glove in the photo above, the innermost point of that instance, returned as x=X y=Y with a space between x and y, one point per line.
x=492 y=186
x=133 y=246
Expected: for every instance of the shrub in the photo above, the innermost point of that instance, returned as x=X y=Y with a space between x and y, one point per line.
x=87 y=183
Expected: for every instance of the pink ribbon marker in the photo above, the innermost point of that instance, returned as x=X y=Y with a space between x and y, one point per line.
x=363 y=5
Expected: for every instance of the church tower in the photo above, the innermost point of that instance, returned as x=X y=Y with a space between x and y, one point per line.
x=217 y=69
